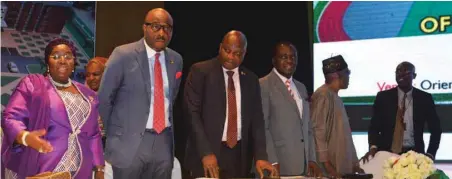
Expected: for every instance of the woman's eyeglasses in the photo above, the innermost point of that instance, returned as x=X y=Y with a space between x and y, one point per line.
x=65 y=56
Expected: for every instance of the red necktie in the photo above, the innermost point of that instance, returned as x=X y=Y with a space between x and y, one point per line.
x=159 y=104
x=231 y=136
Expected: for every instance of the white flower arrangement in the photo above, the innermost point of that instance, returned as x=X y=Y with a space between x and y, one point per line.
x=410 y=165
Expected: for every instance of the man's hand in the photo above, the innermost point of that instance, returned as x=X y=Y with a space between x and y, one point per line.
x=262 y=165
x=276 y=166
x=314 y=170
x=331 y=170
x=371 y=152
x=357 y=169
x=210 y=165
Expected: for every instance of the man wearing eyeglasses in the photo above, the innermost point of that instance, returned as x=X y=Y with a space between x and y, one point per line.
x=399 y=116
x=137 y=92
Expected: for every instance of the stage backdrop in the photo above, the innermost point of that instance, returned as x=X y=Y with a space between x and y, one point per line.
x=374 y=37
x=27 y=27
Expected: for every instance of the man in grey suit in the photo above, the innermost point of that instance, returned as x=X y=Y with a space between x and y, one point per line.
x=137 y=94
x=290 y=143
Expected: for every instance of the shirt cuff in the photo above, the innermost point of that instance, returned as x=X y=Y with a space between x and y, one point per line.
x=430 y=155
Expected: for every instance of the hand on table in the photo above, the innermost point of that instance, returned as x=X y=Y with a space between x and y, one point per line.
x=210 y=166
x=314 y=170
x=276 y=166
x=358 y=169
x=331 y=170
x=262 y=165
x=369 y=154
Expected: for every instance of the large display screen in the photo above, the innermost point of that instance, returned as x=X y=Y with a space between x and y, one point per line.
x=374 y=37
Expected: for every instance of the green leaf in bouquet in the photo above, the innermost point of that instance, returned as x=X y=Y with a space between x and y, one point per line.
x=438 y=174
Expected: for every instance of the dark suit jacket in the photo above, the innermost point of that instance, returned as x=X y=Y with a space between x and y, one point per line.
x=205 y=110
x=125 y=96
x=384 y=116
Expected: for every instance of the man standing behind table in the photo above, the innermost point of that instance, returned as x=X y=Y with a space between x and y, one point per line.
x=399 y=116
x=332 y=132
x=223 y=108
x=290 y=142
x=137 y=92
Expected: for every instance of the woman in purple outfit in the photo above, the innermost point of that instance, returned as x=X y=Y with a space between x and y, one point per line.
x=50 y=123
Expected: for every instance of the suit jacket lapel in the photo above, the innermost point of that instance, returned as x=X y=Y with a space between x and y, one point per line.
x=415 y=105
x=243 y=93
x=281 y=87
x=393 y=106
x=143 y=63
x=303 y=99
x=171 y=68
x=218 y=82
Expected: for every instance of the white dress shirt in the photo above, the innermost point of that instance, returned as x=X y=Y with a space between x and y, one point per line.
x=151 y=59
x=294 y=89
x=238 y=99
x=408 y=134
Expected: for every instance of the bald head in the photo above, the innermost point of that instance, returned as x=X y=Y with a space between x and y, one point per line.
x=232 y=49
x=405 y=74
x=158 y=14
x=158 y=29
x=283 y=44
x=235 y=36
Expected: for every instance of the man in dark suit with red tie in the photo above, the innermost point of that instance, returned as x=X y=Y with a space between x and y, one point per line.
x=399 y=116
x=224 y=112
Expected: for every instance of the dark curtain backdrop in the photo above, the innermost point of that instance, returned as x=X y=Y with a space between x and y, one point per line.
x=119 y=22
x=199 y=28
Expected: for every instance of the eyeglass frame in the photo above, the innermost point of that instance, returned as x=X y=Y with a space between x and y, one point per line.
x=161 y=26
x=54 y=57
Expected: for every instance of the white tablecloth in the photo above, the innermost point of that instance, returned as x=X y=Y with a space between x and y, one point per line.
x=375 y=165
